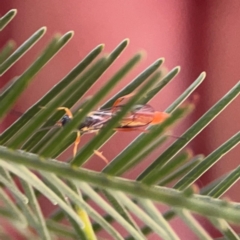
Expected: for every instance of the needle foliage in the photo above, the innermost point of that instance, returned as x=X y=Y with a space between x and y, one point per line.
x=71 y=187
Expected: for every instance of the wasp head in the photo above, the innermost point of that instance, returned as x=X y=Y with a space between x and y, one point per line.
x=65 y=119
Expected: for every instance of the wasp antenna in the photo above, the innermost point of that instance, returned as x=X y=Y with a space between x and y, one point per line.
x=16 y=112
x=177 y=137
x=50 y=127
x=168 y=134
x=67 y=110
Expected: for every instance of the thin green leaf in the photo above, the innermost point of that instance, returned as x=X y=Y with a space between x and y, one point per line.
x=224 y=228
x=4 y=212
x=154 y=213
x=69 y=93
x=79 y=231
x=51 y=94
x=163 y=82
x=79 y=202
x=28 y=129
x=8 y=98
x=181 y=170
x=120 y=209
x=225 y=184
x=97 y=227
x=6 y=51
x=193 y=130
x=208 y=162
x=181 y=185
x=167 y=168
x=53 y=144
x=6 y=179
x=144 y=152
x=29 y=177
x=127 y=165
x=68 y=98
x=221 y=187
x=28 y=213
x=87 y=230
x=193 y=224
x=25 y=232
x=140 y=214
x=130 y=87
x=83 y=88
x=16 y=140
x=61 y=229
x=141 y=143
x=114 y=165
x=4 y=20
x=141 y=155
x=106 y=132
x=174 y=198
x=41 y=228
x=19 y=217
x=22 y=200
x=24 y=78
x=23 y=49
x=136 y=82
x=76 y=90
x=104 y=205
x=90 y=77
x=187 y=92
x=223 y=238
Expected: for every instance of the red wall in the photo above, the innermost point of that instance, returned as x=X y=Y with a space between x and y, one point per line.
x=197 y=35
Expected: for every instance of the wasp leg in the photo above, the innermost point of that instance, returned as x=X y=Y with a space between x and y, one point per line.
x=67 y=110
x=77 y=141
x=99 y=154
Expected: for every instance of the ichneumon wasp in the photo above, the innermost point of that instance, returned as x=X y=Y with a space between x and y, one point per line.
x=137 y=119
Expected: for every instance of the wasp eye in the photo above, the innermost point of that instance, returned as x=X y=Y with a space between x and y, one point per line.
x=65 y=119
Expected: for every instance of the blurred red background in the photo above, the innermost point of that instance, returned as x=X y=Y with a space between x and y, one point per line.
x=196 y=35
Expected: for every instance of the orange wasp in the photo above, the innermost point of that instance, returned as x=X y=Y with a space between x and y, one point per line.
x=137 y=119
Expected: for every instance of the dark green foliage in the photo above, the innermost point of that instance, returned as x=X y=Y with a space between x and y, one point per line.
x=24 y=149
